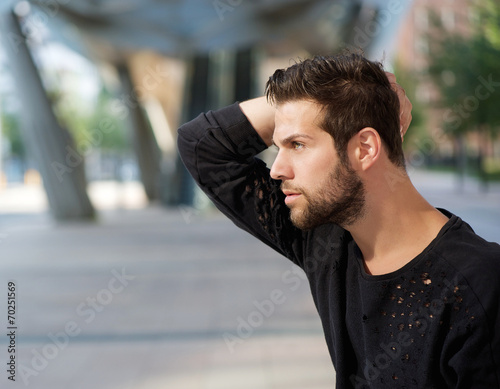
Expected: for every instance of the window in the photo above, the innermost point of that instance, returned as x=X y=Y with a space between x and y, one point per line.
x=448 y=18
x=422 y=19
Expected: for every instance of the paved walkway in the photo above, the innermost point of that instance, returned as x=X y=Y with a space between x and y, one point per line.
x=148 y=299
x=151 y=298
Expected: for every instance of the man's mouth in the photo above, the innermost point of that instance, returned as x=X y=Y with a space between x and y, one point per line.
x=291 y=196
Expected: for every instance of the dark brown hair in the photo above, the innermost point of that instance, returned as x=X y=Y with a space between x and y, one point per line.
x=354 y=93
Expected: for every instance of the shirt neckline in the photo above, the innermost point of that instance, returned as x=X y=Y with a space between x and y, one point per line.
x=452 y=219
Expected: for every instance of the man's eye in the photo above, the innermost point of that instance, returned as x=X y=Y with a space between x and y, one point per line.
x=297 y=145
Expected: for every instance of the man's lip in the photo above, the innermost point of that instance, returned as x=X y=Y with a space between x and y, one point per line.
x=290 y=196
x=290 y=193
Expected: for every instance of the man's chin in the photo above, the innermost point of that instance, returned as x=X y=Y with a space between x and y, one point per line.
x=301 y=221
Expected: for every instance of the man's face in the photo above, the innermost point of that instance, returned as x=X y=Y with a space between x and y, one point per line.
x=319 y=188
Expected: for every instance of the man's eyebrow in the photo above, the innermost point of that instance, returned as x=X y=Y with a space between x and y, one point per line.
x=292 y=137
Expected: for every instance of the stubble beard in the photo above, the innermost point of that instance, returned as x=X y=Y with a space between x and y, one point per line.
x=341 y=200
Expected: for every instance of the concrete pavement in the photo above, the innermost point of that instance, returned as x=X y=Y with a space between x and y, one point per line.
x=149 y=299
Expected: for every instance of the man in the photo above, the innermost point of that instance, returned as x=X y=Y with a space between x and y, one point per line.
x=408 y=295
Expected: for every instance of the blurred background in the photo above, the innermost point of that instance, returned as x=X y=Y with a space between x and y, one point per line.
x=127 y=276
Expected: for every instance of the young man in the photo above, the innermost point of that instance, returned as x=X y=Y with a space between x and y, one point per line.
x=408 y=295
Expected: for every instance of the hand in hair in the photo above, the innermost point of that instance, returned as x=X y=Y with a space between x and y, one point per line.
x=404 y=103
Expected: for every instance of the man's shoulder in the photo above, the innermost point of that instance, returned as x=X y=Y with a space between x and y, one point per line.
x=468 y=254
x=460 y=239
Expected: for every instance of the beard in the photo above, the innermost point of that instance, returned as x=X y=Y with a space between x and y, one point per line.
x=341 y=200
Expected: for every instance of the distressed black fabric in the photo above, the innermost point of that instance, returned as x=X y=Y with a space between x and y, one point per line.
x=432 y=324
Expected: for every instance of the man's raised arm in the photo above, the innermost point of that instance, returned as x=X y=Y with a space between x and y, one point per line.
x=219 y=150
x=261 y=115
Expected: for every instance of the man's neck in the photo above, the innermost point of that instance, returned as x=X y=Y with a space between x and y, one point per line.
x=397 y=226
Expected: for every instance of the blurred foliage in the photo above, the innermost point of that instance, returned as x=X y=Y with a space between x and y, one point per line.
x=418 y=126
x=86 y=128
x=465 y=68
x=466 y=71
x=116 y=139
x=11 y=131
x=490 y=14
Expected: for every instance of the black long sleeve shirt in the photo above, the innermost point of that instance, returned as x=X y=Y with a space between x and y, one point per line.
x=435 y=323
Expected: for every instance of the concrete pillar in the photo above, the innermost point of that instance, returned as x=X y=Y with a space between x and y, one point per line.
x=244 y=77
x=50 y=146
x=145 y=145
x=197 y=101
x=216 y=80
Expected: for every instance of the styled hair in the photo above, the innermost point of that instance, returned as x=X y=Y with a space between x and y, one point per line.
x=353 y=92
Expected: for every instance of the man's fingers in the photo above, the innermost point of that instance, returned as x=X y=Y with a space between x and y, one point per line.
x=406 y=117
x=404 y=104
x=391 y=77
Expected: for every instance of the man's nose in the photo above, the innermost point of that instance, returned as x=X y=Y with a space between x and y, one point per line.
x=281 y=169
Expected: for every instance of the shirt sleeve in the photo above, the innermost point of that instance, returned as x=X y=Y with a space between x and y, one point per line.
x=219 y=150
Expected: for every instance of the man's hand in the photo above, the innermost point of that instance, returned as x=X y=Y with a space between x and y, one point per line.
x=260 y=114
x=404 y=103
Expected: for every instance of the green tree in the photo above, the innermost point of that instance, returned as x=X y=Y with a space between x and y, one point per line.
x=116 y=139
x=490 y=15
x=466 y=71
x=83 y=126
x=11 y=131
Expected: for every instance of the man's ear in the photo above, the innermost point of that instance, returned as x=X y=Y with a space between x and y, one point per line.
x=366 y=147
